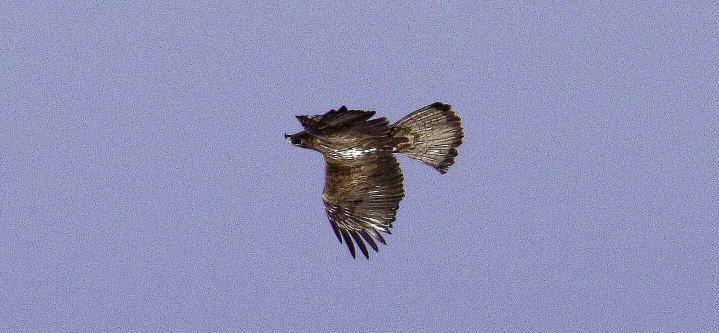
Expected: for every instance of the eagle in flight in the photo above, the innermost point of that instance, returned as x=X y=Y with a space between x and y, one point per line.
x=363 y=185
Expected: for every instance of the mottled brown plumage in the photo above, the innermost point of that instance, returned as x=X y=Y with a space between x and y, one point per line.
x=363 y=185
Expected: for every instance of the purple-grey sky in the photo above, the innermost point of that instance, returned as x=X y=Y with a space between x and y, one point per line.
x=146 y=184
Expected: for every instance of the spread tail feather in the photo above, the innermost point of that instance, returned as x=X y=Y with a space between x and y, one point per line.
x=431 y=134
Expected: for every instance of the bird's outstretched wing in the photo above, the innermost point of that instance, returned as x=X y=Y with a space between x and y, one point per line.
x=333 y=118
x=361 y=198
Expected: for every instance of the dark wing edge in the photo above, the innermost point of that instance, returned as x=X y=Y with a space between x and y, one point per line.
x=333 y=118
x=367 y=203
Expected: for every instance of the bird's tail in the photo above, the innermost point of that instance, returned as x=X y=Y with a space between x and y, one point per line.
x=431 y=134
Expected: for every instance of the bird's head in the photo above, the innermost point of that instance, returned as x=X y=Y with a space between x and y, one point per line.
x=301 y=139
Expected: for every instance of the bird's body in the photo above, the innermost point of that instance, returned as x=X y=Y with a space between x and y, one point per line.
x=363 y=184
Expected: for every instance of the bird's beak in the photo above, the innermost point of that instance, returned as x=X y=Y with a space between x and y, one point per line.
x=288 y=138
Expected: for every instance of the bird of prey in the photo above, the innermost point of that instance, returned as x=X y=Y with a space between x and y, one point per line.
x=363 y=184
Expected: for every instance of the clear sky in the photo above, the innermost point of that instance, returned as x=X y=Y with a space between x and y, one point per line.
x=146 y=184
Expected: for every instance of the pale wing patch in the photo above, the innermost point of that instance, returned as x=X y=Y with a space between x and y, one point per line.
x=351 y=153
